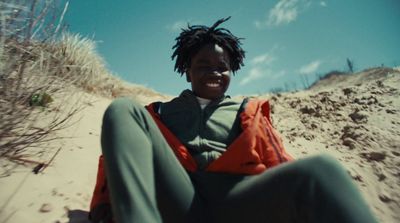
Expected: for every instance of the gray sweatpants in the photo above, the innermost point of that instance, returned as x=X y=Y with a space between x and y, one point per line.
x=148 y=184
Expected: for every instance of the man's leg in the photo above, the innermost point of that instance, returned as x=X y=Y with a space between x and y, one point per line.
x=315 y=189
x=141 y=168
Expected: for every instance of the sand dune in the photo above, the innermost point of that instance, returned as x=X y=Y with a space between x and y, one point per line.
x=354 y=118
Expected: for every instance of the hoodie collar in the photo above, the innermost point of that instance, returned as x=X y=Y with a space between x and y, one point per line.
x=188 y=93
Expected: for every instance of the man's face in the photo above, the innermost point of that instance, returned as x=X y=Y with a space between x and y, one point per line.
x=210 y=72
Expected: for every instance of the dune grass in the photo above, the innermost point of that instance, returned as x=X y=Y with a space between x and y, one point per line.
x=41 y=68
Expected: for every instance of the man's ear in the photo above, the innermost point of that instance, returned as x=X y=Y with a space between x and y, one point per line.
x=188 y=77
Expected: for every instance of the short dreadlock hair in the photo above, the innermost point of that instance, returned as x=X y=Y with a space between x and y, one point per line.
x=190 y=41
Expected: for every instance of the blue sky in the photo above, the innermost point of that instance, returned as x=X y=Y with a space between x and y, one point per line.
x=286 y=41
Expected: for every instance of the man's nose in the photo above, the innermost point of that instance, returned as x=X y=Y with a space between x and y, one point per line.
x=216 y=73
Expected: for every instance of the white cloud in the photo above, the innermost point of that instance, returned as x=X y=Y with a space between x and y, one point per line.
x=277 y=75
x=257 y=73
x=266 y=58
x=258 y=24
x=261 y=67
x=323 y=4
x=177 y=26
x=310 y=68
x=284 y=12
x=254 y=74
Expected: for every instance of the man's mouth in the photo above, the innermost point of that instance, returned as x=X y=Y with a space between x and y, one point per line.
x=213 y=84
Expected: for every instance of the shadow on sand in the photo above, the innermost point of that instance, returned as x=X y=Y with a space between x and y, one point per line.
x=78 y=216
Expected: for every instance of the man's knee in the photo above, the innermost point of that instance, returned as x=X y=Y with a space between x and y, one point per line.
x=321 y=166
x=324 y=161
x=120 y=107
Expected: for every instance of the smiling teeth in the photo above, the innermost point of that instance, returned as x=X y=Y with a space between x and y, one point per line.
x=212 y=85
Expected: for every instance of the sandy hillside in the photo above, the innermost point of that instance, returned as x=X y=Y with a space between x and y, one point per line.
x=354 y=118
x=61 y=192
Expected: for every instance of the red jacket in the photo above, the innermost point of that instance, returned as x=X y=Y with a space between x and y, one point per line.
x=256 y=149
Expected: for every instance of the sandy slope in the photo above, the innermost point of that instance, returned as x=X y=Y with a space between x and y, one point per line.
x=64 y=188
x=353 y=118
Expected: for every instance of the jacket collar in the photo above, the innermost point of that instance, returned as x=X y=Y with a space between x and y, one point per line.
x=188 y=94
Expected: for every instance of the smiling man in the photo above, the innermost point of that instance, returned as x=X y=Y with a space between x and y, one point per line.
x=210 y=72
x=204 y=157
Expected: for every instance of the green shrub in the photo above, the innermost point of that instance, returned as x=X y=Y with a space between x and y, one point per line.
x=40 y=99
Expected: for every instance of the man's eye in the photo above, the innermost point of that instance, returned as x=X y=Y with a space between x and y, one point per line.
x=204 y=68
x=209 y=69
x=222 y=69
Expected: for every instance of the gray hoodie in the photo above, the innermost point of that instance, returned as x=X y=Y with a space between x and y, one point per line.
x=205 y=132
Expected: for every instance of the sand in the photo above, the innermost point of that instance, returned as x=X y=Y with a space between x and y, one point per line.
x=353 y=118
x=356 y=120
